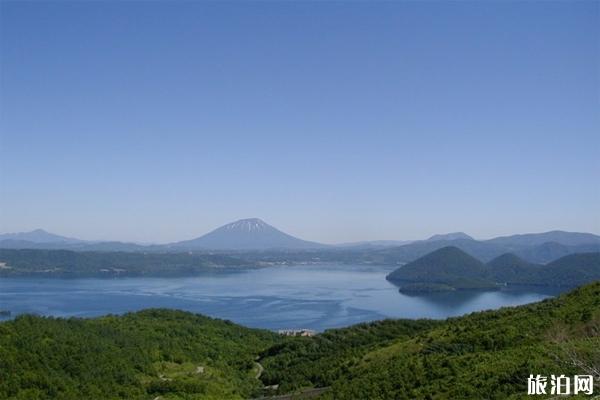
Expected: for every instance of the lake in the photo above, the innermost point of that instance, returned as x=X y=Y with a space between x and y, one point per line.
x=313 y=297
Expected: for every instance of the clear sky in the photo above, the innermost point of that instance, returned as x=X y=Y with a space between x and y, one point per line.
x=334 y=121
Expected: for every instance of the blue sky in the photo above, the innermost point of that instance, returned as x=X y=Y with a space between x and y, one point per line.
x=337 y=121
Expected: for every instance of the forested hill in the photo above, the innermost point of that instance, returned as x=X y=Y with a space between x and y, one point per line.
x=178 y=355
x=484 y=355
x=450 y=268
x=135 y=356
x=444 y=269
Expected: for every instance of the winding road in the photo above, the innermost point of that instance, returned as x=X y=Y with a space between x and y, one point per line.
x=260 y=369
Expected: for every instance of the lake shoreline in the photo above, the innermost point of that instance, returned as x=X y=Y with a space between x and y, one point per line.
x=316 y=297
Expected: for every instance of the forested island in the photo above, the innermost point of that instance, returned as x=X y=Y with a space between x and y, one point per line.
x=450 y=268
x=168 y=354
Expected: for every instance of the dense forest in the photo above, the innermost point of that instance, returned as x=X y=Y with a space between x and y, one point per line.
x=484 y=355
x=321 y=360
x=178 y=355
x=135 y=356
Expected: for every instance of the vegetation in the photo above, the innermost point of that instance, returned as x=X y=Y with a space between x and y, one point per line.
x=155 y=262
x=71 y=264
x=321 y=360
x=508 y=268
x=178 y=355
x=483 y=355
x=448 y=267
x=452 y=269
x=152 y=353
x=569 y=271
x=572 y=270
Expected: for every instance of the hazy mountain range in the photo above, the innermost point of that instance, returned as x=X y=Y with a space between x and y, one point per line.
x=37 y=236
x=254 y=234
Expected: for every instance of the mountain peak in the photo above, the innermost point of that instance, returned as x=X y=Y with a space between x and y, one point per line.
x=247 y=234
x=38 y=236
x=449 y=251
x=451 y=236
x=248 y=225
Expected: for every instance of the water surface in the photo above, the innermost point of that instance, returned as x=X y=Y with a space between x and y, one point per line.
x=314 y=297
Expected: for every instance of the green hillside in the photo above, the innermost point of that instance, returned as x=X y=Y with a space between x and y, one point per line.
x=321 y=360
x=485 y=355
x=176 y=355
x=143 y=355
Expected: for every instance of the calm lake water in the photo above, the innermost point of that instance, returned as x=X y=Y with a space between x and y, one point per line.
x=314 y=297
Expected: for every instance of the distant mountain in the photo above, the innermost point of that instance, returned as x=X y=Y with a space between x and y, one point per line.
x=550 y=251
x=568 y=271
x=113 y=246
x=77 y=246
x=38 y=236
x=255 y=235
x=246 y=234
x=448 y=268
x=510 y=260
x=572 y=270
x=374 y=244
x=508 y=268
x=536 y=239
x=487 y=250
x=25 y=244
x=411 y=251
x=450 y=236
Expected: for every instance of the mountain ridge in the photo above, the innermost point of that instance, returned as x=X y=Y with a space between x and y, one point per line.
x=38 y=236
x=558 y=236
x=450 y=236
x=530 y=247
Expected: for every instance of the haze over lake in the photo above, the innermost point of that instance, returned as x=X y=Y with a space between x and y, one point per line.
x=315 y=296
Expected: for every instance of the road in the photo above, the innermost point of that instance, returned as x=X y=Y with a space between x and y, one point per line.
x=260 y=369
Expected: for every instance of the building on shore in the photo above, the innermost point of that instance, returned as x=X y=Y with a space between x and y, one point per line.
x=296 y=332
